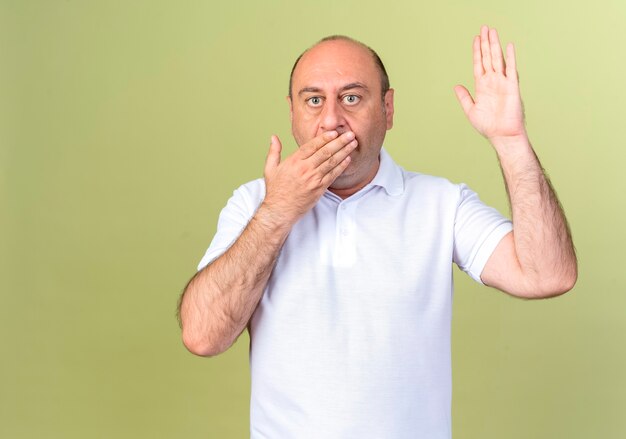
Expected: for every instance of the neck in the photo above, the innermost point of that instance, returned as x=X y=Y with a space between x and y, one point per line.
x=345 y=192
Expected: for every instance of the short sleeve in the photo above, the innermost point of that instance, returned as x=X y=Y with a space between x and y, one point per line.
x=478 y=229
x=234 y=218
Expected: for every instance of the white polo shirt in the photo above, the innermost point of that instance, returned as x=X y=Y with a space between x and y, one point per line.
x=351 y=338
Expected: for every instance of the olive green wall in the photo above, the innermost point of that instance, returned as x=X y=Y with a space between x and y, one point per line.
x=125 y=126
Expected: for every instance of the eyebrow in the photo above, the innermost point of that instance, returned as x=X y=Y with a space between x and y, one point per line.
x=350 y=86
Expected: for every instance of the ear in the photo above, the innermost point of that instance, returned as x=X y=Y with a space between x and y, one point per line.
x=290 y=108
x=388 y=102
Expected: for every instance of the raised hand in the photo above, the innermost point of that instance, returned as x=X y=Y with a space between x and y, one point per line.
x=294 y=185
x=537 y=259
x=496 y=111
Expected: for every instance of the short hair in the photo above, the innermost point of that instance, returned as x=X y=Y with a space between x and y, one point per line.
x=384 y=78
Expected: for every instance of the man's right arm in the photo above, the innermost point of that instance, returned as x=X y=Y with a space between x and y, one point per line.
x=220 y=299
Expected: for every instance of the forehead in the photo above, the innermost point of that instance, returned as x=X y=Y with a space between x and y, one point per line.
x=336 y=63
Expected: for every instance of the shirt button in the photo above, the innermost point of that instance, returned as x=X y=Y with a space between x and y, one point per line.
x=343 y=207
x=344 y=232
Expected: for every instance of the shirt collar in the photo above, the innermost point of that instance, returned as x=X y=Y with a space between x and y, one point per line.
x=389 y=175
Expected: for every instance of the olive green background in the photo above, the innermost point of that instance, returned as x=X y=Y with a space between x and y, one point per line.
x=126 y=125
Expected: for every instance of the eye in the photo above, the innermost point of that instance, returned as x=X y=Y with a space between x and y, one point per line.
x=314 y=101
x=351 y=99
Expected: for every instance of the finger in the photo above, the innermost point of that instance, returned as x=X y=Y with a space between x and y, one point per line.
x=337 y=158
x=273 y=156
x=511 y=63
x=496 y=51
x=485 y=50
x=329 y=178
x=478 y=61
x=327 y=151
x=311 y=147
x=464 y=97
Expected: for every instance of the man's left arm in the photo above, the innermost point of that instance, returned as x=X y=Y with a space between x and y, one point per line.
x=537 y=259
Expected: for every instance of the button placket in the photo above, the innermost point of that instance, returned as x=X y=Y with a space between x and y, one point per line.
x=345 y=249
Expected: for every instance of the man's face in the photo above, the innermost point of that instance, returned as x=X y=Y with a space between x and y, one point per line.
x=336 y=86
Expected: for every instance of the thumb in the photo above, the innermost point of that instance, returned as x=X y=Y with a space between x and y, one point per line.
x=464 y=97
x=273 y=155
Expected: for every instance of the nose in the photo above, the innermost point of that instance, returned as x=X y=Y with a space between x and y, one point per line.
x=332 y=118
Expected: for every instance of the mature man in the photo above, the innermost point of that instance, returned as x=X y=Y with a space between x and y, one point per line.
x=339 y=262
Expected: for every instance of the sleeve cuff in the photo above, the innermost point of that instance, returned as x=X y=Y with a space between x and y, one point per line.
x=486 y=249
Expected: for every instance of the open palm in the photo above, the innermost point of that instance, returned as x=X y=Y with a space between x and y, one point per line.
x=496 y=111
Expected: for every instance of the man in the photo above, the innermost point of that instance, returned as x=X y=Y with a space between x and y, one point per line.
x=339 y=261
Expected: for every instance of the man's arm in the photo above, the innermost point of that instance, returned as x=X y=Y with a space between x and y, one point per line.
x=537 y=259
x=220 y=299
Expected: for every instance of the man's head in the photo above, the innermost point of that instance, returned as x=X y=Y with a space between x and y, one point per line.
x=384 y=78
x=341 y=84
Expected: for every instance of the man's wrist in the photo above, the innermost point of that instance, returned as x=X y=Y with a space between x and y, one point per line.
x=512 y=147
x=273 y=220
